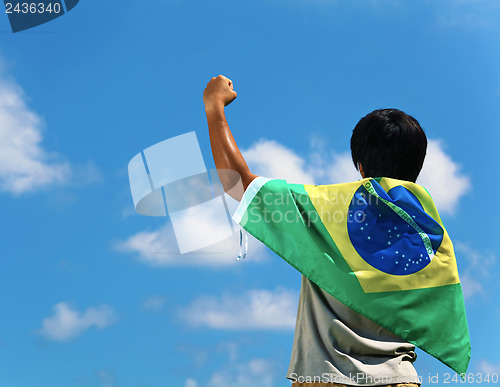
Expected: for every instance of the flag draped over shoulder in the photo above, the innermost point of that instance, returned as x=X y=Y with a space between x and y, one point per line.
x=378 y=246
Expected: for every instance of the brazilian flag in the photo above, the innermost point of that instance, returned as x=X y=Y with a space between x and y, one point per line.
x=378 y=246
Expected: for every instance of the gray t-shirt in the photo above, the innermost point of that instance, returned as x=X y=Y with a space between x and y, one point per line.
x=333 y=343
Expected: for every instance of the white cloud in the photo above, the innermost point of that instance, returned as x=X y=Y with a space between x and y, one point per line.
x=24 y=164
x=481 y=261
x=470 y=15
x=159 y=248
x=67 y=323
x=154 y=247
x=478 y=269
x=342 y=169
x=190 y=383
x=106 y=378
x=273 y=160
x=442 y=178
x=253 y=373
x=485 y=367
x=255 y=309
x=470 y=285
x=154 y=303
x=86 y=173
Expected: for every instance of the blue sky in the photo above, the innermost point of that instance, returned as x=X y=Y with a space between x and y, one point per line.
x=84 y=304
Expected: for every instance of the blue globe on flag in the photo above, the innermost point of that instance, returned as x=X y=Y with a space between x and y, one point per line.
x=384 y=239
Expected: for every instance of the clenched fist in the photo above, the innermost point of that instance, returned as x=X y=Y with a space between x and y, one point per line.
x=218 y=93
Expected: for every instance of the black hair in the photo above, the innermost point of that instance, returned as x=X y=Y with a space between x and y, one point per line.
x=389 y=143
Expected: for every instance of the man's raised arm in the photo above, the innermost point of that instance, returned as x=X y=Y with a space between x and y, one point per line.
x=218 y=94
